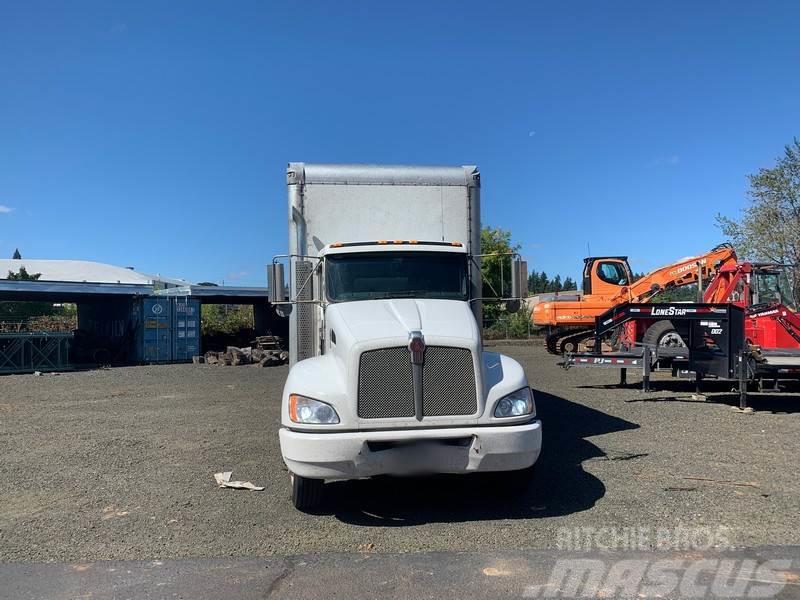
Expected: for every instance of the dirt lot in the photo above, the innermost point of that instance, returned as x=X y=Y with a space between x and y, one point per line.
x=118 y=464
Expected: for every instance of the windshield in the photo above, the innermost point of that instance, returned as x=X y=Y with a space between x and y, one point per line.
x=773 y=286
x=378 y=275
x=612 y=272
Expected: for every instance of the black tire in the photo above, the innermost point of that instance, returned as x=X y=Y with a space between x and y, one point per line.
x=306 y=493
x=656 y=332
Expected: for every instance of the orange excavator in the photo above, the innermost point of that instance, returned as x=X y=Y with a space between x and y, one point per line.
x=607 y=281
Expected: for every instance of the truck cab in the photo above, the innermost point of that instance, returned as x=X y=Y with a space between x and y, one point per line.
x=606 y=275
x=399 y=382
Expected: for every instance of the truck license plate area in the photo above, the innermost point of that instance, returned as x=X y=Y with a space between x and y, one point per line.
x=417 y=445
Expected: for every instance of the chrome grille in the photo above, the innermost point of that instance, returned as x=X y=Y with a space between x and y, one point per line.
x=385 y=384
x=448 y=382
x=386 y=388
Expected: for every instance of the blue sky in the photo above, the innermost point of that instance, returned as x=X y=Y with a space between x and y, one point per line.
x=155 y=134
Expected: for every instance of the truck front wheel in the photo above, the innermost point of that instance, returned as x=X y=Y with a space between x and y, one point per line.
x=306 y=493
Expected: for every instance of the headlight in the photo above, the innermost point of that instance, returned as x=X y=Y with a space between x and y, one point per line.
x=516 y=404
x=308 y=410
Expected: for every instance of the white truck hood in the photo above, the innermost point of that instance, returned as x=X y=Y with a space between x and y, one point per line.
x=352 y=328
x=372 y=320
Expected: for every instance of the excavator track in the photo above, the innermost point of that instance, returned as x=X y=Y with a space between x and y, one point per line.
x=558 y=342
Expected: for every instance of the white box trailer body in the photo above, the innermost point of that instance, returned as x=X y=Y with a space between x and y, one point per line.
x=388 y=372
x=358 y=203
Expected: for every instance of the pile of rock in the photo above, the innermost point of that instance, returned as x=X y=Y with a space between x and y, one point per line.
x=234 y=356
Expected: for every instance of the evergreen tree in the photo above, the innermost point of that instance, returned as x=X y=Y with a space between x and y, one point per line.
x=540 y=283
x=17 y=255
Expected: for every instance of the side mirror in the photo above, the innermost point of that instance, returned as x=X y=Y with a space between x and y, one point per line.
x=519 y=280
x=513 y=306
x=275 y=283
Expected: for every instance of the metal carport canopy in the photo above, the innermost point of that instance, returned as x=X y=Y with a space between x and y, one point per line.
x=208 y=294
x=67 y=291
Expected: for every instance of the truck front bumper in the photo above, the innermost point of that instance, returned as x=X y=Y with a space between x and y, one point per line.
x=350 y=455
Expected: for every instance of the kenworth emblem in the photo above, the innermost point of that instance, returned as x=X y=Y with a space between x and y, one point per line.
x=416 y=345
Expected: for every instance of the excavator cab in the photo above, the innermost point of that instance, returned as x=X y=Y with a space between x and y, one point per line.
x=770 y=284
x=752 y=284
x=605 y=275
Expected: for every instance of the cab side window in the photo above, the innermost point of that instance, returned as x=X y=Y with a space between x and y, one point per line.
x=613 y=273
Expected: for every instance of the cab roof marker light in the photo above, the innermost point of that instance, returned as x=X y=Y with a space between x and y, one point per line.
x=384 y=242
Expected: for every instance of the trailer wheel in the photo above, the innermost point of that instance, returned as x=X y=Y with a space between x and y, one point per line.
x=569 y=346
x=306 y=493
x=662 y=334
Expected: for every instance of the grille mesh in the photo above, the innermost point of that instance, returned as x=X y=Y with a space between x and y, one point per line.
x=448 y=382
x=305 y=312
x=385 y=384
x=386 y=387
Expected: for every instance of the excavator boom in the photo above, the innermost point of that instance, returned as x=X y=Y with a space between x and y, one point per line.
x=607 y=281
x=683 y=272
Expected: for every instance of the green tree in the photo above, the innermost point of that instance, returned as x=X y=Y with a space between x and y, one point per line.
x=686 y=293
x=17 y=311
x=225 y=319
x=540 y=283
x=496 y=268
x=23 y=275
x=769 y=228
x=544 y=282
x=532 y=282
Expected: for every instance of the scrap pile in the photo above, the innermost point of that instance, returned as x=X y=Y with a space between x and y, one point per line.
x=265 y=351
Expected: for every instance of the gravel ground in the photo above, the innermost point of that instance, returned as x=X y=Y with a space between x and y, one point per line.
x=119 y=464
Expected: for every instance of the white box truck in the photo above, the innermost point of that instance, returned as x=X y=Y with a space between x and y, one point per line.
x=388 y=372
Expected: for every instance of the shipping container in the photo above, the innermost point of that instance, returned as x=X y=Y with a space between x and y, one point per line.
x=139 y=330
x=154 y=330
x=185 y=329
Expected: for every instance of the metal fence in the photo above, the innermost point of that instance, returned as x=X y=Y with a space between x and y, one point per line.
x=29 y=352
x=505 y=328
